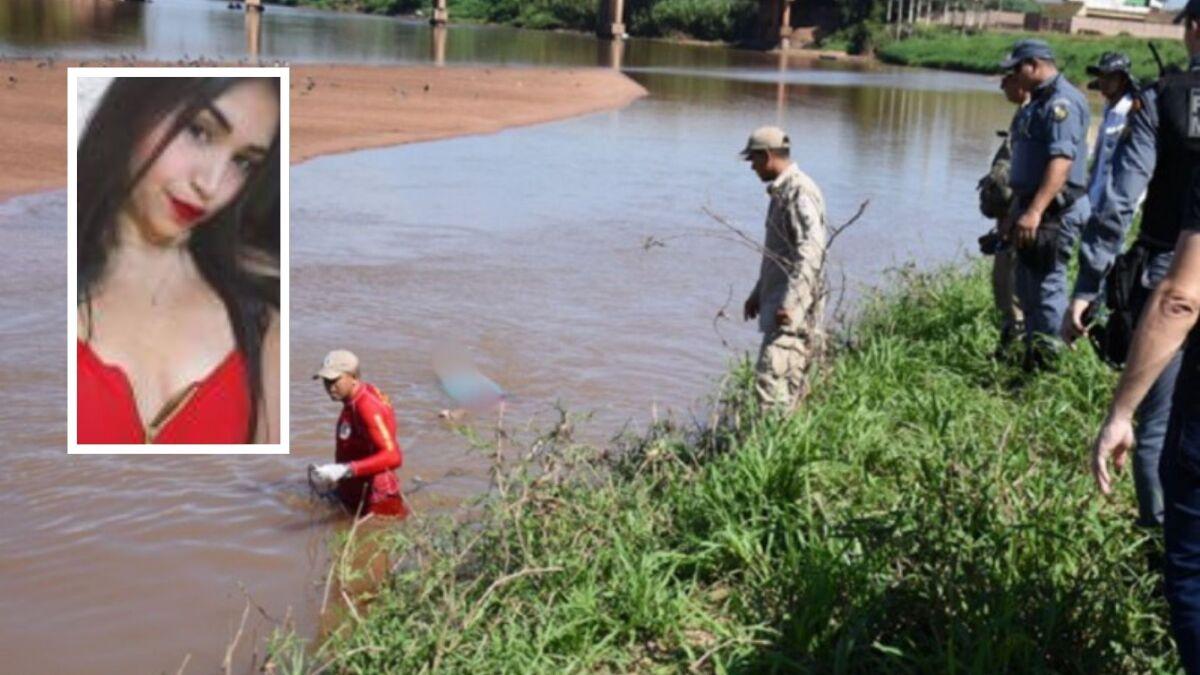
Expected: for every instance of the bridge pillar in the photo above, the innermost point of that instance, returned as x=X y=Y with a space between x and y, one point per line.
x=785 y=23
x=774 y=23
x=612 y=19
x=440 y=13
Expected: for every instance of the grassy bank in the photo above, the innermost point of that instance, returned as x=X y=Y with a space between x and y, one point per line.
x=927 y=511
x=724 y=20
x=982 y=52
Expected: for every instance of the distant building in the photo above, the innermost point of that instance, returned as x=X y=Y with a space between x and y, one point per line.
x=1117 y=8
x=1120 y=10
x=1138 y=18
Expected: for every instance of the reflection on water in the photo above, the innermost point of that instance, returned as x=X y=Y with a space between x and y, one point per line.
x=36 y=23
x=253 y=33
x=610 y=53
x=527 y=246
x=437 y=44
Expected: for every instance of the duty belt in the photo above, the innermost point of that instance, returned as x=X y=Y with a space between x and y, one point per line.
x=1061 y=202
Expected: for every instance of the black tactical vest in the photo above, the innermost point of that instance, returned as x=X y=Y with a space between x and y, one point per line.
x=1178 y=153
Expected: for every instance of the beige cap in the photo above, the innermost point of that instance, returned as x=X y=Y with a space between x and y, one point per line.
x=766 y=138
x=337 y=363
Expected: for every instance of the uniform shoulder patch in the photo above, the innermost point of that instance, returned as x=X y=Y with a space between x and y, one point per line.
x=1194 y=112
x=1060 y=110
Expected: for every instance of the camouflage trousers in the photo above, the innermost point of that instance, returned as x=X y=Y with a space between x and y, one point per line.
x=1004 y=291
x=781 y=380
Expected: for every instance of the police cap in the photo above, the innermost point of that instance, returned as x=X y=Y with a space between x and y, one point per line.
x=1031 y=49
x=1111 y=62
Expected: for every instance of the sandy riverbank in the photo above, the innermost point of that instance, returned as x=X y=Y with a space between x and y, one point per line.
x=812 y=55
x=334 y=108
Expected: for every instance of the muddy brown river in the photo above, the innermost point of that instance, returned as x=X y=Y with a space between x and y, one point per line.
x=574 y=260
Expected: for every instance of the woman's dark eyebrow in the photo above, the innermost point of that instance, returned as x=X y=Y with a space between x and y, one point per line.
x=220 y=117
x=224 y=122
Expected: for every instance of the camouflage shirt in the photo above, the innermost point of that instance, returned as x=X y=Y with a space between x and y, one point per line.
x=790 y=275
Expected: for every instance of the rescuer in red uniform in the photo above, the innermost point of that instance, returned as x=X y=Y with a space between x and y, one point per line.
x=367 y=451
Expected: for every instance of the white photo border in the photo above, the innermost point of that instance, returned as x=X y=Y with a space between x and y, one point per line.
x=73 y=446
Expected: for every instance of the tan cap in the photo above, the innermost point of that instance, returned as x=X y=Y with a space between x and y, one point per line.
x=337 y=363
x=766 y=138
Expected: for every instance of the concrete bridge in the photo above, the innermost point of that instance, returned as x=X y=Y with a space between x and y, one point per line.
x=772 y=29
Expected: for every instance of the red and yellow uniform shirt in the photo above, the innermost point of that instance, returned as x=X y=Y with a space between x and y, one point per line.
x=366 y=441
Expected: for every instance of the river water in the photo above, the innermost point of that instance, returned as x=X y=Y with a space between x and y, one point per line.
x=574 y=260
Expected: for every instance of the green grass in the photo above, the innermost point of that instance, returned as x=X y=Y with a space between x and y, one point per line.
x=982 y=52
x=928 y=510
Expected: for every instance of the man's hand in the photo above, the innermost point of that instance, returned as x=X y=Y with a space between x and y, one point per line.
x=782 y=318
x=1072 y=324
x=330 y=474
x=750 y=309
x=1026 y=228
x=1113 y=442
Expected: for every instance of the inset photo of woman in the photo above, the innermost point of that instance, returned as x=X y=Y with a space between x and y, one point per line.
x=178 y=280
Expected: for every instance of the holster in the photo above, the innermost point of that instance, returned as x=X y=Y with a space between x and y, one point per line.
x=991 y=243
x=1042 y=254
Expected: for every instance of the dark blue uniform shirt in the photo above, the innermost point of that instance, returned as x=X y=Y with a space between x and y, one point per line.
x=1054 y=124
x=1133 y=166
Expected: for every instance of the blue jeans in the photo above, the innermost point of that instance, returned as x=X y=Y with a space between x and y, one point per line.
x=1043 y=295
x=1180 y=475
x=1153 y=414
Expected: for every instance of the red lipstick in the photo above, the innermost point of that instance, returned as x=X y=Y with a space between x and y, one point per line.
x=185 y=212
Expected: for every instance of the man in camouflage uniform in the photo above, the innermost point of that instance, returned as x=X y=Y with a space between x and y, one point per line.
x=996 y=201
x=788 y=299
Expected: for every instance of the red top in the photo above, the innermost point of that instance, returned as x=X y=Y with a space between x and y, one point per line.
x=366 y=440
x=213 y=410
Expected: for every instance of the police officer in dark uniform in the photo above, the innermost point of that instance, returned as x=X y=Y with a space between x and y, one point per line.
x=1049 y=183
x=1168 y=322
x=1154 y=157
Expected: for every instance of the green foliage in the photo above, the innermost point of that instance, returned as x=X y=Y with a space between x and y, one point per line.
x=389 y=7
x=928 y=510
x=853 y=12
x=576 y=14
x=982 y=52
x=480 y=10
x=727 y=20
x=860 y=38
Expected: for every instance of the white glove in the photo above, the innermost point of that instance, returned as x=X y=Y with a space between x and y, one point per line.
x=330 y=474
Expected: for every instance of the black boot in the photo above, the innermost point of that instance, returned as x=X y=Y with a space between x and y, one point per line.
x=1041 y=354
x=1008 y=335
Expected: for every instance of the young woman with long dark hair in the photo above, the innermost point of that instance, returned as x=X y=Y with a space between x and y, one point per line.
x=178 y=288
